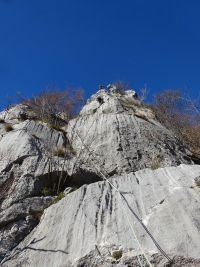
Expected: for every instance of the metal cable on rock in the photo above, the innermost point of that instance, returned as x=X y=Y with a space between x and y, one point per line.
x=134 y=237
x=129 y=224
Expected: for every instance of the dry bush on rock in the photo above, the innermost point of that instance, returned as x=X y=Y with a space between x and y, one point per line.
x=117 y=254
x=8 y=127
x=122 y=86
x=181 y=115
x=60 y=152
x=55 y=106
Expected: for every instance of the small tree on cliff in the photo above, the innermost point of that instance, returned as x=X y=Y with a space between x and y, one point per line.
x=180 y=114
x=54 y=106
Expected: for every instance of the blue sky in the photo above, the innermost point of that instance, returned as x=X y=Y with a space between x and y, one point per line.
x=91 y=42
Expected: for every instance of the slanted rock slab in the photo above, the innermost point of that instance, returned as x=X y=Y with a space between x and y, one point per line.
x=91 y=221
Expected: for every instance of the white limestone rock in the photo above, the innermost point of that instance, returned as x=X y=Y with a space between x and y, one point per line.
x=131 y=93
x=118 y=136
x=17 y=221
x=17 y=113
x=123 y=136
x=91 y=219
x=28 y=169
x=31 y=145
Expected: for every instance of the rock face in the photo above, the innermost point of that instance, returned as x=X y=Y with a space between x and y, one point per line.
x=89 y=224
x=115 y=135
x=28 y=168
x=123 y=136
x=17 y=113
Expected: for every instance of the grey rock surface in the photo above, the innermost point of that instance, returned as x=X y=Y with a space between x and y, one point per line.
x=114 y=134
x=123 y=136
x=89 y=224
x=31 y=145
x=28 y=168
x=16 y=113
x=2 y=129
x=67 y=190
x=50 y=137
x=18 y=220
x=93 y=259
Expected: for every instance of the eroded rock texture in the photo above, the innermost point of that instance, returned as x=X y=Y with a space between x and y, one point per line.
x=29 y=172
x=89 y=224
x=114 y=135
x=123 y=136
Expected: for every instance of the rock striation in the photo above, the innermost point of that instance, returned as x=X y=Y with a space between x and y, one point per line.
x=89 y=224
x=28 y=169
x=115 y=135
x=123 y=135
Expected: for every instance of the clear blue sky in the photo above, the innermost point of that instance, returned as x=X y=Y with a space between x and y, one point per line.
x=91 y=42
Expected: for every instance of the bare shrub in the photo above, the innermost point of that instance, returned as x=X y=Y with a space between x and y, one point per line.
x=144 y=114
x=143 y=93
x=55 y=106
x=59 y=152
x=117 y=254
x=122 y=86
x=61 y=195
x=181 y=115
x=156 y=161
x=197 y=182
x=8 y=127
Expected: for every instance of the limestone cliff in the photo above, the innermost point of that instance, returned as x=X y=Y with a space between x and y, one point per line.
x=117 y=136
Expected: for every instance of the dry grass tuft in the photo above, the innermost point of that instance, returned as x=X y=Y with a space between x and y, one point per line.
x=8 y=127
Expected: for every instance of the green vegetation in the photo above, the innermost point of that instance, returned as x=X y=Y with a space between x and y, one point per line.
x=61 y=195
x=156 y=165
x=8 y=127
x=117 y=254
x=46 y=191
x=74 y=187
x=15 y=257
x=73 y=151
